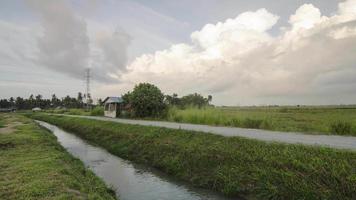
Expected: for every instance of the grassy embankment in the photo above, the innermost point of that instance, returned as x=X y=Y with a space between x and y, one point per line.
x=97 y=111
x=234 y=166
x=34 y=166
x=313 y=120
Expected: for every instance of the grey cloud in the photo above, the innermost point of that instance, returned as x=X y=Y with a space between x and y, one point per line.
x=114 y=48
x=65 y=45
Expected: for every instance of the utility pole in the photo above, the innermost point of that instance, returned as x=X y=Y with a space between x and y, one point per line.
x=87 y=92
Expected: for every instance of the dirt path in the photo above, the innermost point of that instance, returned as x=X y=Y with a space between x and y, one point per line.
x=10 y=125
x=334 y=141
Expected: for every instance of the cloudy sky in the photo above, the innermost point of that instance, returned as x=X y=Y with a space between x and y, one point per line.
x=253 y=52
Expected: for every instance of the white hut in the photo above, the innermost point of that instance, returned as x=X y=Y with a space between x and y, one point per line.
x=36 y=109
x=112 y=106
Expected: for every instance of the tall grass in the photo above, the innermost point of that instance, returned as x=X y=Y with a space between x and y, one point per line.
x=97 y=111
x=310 y=120
x=341 y=128
x=214 y=116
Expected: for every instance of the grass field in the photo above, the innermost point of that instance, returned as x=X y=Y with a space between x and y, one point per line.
x=233 y=166
x=314 y=120
x=97 y=111
x=335 y=120
x=34 y=166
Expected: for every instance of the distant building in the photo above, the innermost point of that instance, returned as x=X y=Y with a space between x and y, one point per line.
x=112 y=106
x=12 y=109
x=36 y=109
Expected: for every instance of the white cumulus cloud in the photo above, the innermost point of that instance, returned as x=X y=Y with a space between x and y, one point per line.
x=238 y=61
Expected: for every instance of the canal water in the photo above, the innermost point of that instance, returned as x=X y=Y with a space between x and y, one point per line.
x=130 y=181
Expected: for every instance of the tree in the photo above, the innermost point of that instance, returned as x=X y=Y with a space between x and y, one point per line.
x=147 y=100
x=38 y=101
x=126 y=98
x=100 y=102
x=20 y=103
x=210 y=98
x=80 y=100
x=4 y=103
x=55 y=101
x=194 y=100
x=12 y=101
x=173 y=100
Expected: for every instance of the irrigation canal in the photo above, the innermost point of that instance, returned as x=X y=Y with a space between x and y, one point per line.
x=130 y=181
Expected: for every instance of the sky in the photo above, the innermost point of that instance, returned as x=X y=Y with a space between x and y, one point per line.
x=257 y=52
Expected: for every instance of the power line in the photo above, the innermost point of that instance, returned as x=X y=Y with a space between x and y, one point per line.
x=87 y=92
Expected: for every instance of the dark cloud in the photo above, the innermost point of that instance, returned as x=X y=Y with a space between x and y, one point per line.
x=66 y=47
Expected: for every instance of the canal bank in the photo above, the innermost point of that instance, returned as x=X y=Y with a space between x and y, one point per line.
x=33 y=165
x=130 y=181
x=233 y=166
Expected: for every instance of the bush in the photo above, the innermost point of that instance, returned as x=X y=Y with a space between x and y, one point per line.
x=97 y=111
x=147 y=100
x=341 y=128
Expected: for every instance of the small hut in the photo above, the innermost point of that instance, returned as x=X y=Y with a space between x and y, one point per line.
x=36 y=109
x=112 y=106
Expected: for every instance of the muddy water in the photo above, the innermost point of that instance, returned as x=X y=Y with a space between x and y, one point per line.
x=130 y=181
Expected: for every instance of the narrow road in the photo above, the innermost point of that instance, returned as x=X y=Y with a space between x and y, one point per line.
x=334 y=141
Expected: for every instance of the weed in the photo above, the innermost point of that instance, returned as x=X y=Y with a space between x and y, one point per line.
x=341 y=128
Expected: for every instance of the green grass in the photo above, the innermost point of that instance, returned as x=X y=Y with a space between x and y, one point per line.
x=97 y=111
x=2 y=123
x=71 y=111
x=337 y=120
x=34 y=166
x=233 y=166
x=312 y=120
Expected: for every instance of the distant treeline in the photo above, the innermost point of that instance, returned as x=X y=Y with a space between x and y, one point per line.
x=38 y=101
x=144 y=97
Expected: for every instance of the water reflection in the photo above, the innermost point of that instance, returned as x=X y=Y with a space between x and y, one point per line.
x=131 y=181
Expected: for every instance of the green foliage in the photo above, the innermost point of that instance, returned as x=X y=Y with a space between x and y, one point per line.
x=126 y=98
x=35 y=166
x=232 y=165
x=97 y=111
x=191 y=100
x=147 y=100
x=194 y=100
x=38 y=101
x=341 y=128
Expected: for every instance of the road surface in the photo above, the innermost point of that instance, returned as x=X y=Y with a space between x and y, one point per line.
x=334 y=141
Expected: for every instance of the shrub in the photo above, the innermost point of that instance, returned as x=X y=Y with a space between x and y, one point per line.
x=97 y=111
x=147 y=100
x=341 y=128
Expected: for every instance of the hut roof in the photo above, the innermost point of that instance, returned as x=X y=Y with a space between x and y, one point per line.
x=113 y=100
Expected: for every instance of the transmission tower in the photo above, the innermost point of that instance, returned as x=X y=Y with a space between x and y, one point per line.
x=87 y=92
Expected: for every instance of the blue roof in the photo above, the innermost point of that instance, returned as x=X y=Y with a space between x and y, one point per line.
x=113 y=100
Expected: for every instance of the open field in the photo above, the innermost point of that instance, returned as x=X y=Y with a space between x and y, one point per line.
x=333 y=120
x=34 y=166
x=313 y=120
x=97 y=111
x=233 y=166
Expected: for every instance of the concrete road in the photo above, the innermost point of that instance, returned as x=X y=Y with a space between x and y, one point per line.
x=334 y=141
